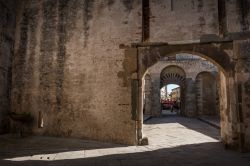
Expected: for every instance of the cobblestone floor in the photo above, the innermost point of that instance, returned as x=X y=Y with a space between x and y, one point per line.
x=173 y=141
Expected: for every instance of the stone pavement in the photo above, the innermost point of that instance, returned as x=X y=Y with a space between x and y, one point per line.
x=173 y=141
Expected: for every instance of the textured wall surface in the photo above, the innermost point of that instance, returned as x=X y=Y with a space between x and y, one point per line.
x=238 y=15
x=197 y=20
x=243 y=87
x=7 y=33
x=187 y=20
x=68 y=66
x=147 y=98
x=206 y=94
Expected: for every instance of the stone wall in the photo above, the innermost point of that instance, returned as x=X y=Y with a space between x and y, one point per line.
x=243 y=89
x=198 y=20
x=238 y=16
x=187 y=20
x=148 y=91
x=7 y=33
x=69 y=69
x=207 y=94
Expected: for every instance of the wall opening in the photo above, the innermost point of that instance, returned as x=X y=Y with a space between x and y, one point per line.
x=170 y=99
x=199 y=89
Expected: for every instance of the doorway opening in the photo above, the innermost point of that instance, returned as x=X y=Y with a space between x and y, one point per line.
x=180 y=90
x=171 y=99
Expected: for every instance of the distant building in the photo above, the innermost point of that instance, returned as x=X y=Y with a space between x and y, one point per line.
x=175 y=94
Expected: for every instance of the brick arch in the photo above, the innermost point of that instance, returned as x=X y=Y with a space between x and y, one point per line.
x=172 y=75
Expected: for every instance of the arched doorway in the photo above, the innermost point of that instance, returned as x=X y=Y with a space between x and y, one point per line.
x=219 y=56
x=170 y=99
x=173 y=75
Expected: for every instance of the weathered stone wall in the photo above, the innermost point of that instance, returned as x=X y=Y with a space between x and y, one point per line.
x=198 y=20
x=238 y=16
x=242 y=57
x=192 y=68
x=206 y=93
x=148 y=92
x=187 y=20
x=7 y=33
x=69 y=68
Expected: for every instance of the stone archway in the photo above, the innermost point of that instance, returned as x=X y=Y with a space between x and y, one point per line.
x=172 y=74
x=175 y=75
x=218 y=53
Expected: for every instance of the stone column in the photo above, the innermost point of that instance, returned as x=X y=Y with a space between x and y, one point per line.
x=148 y=96
x=190 y=98
x=156 y=98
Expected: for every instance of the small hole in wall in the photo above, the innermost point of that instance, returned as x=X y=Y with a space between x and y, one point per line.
x=40 y=119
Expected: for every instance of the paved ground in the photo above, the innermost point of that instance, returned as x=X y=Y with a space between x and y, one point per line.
x=174 y=141
x=212 y=120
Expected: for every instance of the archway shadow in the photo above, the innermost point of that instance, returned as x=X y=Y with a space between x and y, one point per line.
x=195 y=154
x=13 y=146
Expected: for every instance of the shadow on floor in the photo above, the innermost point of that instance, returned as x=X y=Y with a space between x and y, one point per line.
x=205 y=154
x=13 y=146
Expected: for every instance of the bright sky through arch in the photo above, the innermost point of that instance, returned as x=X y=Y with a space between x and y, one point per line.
x=171 y=86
